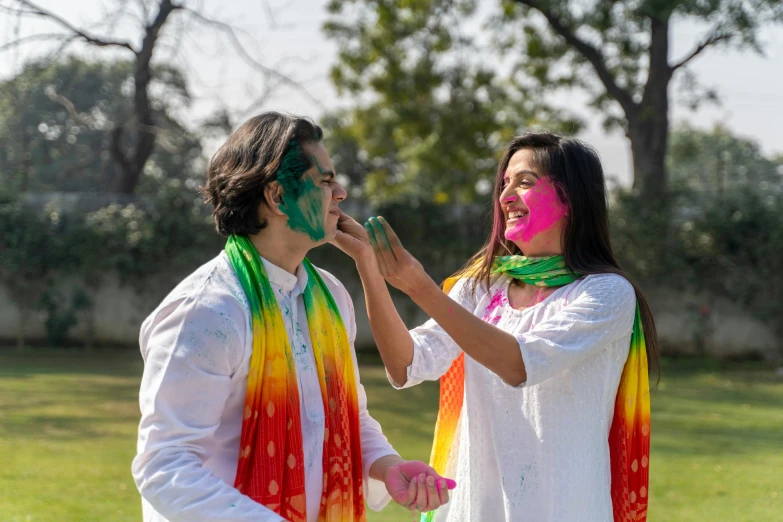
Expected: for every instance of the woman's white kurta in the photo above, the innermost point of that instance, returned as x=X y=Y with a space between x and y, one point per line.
x=538 y=452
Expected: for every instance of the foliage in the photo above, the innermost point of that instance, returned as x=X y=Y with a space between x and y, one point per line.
x=431 y=116
x=434 y=103
x=724 y=247
x=171 y=232
x=167 y=234
x=62 y=313
x=718 y=163
x=621 y=32
x=37 y=248
x=57 y=120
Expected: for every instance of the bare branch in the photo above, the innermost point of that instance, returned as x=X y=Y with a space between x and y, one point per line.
x=94 y=40
x=164 y=136
x=75 y=115
x=270 y=13
x=32 y=37
x=51 y=57
x=9 y=10
x=230 y=32
x=66 y=170
x=145 y=11
x=590 y=53
x=712 y=40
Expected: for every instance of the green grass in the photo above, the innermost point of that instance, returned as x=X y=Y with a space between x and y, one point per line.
x=68 y=428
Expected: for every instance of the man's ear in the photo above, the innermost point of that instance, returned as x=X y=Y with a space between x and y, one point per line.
x=273 y=196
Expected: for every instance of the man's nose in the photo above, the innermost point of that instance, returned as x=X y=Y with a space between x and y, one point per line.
x=339 y=193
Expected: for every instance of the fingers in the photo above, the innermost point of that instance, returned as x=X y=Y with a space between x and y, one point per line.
x=377 y=250
x=443 y=491
x=421 y=493
x=412 y=490
x=381 y=246
x=433 y=497
x=395 y=245
x=382 y=236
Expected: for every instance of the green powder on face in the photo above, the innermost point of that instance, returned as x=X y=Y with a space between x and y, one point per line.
x=302 y=199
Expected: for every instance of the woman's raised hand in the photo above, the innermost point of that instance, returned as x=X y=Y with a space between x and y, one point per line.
x=396 y=265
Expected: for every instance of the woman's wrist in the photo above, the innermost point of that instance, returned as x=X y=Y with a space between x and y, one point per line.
x=421 y=285
x=366 y=263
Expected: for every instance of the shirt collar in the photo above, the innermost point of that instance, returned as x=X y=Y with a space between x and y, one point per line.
x=286 y=281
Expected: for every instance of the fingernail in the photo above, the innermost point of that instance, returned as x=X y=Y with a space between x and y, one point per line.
x=422 y=477
x=442 y=484
x=413 y=480
x=430 y=481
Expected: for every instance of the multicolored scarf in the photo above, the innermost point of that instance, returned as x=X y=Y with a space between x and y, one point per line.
x=271 y=460
x=629 y=435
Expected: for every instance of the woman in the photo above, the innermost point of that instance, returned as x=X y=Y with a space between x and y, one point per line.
x=544 y=407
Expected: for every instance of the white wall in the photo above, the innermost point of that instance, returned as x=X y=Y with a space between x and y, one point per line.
x=118 y=311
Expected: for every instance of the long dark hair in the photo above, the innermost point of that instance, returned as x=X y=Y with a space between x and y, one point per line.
x=576 y=171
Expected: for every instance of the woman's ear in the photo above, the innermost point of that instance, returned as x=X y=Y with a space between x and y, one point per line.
x=273 y=196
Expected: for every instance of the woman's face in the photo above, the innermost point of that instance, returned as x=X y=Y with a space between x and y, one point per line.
x=534 y=213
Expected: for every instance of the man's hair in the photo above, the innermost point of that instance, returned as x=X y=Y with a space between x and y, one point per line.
x=249 y=160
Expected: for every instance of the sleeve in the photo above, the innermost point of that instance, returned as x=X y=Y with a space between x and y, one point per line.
x=602 y=312
x=433 y=349
x=374 y=443
x=191 y=351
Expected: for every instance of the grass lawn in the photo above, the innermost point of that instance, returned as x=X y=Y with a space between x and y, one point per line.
x=68 y=427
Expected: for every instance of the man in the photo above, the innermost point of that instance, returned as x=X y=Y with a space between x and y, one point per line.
x=251 y=404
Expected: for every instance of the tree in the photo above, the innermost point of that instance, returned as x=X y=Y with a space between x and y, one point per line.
x=619 y=53
x=66 y=125
x=431 y=117
x=139 y=129
x=713 y=163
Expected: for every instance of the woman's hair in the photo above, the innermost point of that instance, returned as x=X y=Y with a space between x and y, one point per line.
x=575 y=170
x=247 y=163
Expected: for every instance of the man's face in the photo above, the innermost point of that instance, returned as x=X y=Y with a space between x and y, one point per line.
x=314 y=211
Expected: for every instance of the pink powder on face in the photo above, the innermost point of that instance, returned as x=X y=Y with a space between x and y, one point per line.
x=544 y=210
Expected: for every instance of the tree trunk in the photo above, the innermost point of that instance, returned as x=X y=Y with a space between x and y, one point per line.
x=648 y=146
x=648 y=126
x=132 y=167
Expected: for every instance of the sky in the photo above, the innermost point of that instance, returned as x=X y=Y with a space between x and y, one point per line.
x=286 y=35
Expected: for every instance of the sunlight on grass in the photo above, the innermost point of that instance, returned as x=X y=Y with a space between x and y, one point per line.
x=68 y=427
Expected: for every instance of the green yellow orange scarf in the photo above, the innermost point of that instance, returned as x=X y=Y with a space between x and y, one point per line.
x=629 y=435
x=271 y=461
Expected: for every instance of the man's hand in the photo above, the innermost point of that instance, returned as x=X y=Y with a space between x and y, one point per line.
x=413 y=484
x=352 y=238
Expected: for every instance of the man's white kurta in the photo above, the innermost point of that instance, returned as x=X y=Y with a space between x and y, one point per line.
x=196 y=347
x=538 y=452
